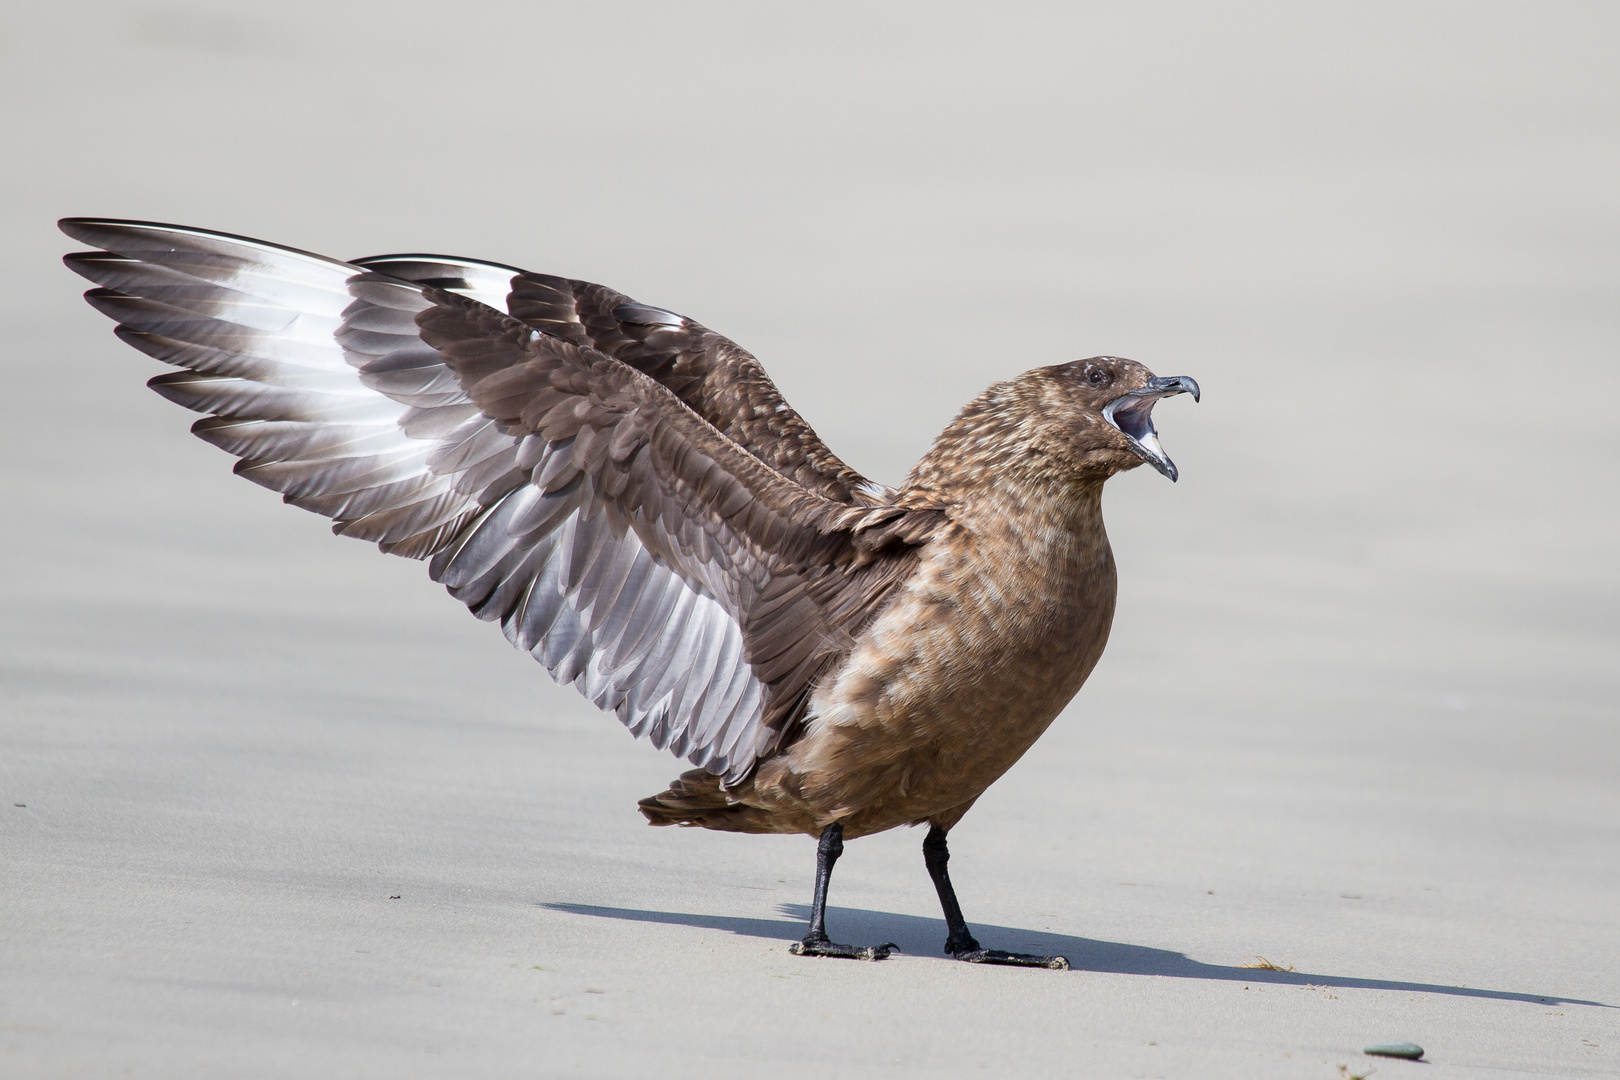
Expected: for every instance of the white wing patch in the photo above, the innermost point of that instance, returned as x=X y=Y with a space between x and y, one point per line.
x=313 y=373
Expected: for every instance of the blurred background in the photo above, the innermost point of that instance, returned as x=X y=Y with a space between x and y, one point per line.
x=1360 y=703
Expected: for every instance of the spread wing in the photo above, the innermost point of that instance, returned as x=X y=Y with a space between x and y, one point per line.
x=632 y=546
x=718 y=379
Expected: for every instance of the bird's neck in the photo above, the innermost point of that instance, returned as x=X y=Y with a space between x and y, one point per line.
x=994 y=464
x=993 y=484
x=1034 y=517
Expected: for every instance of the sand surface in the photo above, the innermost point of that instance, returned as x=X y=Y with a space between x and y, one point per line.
x=272 y=805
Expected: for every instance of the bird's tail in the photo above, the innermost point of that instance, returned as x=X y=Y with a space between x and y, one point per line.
x=697 y=798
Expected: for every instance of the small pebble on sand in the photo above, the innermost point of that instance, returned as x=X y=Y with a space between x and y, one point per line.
x=1395 y=1049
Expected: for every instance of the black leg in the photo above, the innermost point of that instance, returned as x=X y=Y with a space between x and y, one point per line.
x=936 y=855
x=828 y=849
x=816 y=942
x=959 y=940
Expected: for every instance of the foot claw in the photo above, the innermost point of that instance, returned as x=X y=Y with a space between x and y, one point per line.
x=847 y=952
x=1012 y=959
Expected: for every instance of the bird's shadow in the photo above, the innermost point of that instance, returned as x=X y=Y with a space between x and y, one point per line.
x=922 y=937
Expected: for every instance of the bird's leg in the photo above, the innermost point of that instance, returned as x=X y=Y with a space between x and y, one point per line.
x=959 y=940
x=816 y=942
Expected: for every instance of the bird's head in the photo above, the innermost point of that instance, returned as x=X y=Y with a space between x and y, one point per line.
x=1083 y=421
x=1097 y=414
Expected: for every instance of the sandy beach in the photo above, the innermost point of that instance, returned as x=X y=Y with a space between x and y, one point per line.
x=271 y=805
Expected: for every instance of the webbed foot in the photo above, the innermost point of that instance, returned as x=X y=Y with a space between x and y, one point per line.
x=1010 y=959
x=961 y=943
x=820 y=946
x=964 y=947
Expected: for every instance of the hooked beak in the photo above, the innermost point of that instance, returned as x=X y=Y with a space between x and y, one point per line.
x=1132 y=414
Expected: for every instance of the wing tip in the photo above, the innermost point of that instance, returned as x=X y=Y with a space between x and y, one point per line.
x=95 y=231
x=80 y=228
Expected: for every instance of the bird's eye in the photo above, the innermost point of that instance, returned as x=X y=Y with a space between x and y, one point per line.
x=1097 y=376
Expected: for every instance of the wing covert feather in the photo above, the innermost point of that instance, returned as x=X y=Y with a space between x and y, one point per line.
x=715 y=377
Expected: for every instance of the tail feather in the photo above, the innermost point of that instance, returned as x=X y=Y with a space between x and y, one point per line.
x=697 y=798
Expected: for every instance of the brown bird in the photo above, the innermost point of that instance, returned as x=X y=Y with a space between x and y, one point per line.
x=627 y=493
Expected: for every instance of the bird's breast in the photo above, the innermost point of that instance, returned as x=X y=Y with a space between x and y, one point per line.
x=962 y=672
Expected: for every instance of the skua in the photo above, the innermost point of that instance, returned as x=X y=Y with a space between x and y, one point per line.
x=629 y=496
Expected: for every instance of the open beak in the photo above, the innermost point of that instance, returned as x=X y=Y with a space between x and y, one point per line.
x=1132 y=414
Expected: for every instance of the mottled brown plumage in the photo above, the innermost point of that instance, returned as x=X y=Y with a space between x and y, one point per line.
x=1003 y=613
x=627 y=493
